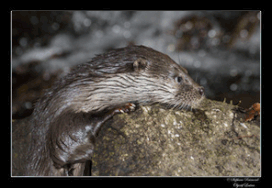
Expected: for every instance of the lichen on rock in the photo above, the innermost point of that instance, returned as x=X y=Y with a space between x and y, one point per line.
x=155 y=141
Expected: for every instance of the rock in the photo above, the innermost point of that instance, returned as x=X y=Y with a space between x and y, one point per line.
x=213 y=140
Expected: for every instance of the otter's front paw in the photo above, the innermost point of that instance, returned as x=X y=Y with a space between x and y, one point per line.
x=128 y=107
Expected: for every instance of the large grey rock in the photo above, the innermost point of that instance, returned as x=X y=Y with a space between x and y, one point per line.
x=153 y=141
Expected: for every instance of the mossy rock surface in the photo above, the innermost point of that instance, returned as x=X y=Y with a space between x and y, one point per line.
x=213 y=140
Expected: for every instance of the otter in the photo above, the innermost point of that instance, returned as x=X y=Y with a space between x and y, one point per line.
x=67 y=118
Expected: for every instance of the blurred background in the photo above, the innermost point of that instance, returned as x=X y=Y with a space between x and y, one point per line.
x=220 y=49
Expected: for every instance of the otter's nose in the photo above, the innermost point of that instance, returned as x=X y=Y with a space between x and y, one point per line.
x=201 y=90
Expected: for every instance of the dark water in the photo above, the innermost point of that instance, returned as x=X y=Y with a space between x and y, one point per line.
x=220 y=49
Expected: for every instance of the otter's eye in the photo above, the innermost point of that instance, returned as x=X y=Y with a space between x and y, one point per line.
x=178 y=79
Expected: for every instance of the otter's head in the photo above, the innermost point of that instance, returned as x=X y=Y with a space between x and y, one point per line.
x=166 y=82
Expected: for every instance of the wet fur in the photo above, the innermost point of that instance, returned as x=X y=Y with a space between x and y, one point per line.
x=65 y=118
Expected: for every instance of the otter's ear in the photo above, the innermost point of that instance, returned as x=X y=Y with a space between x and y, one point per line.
x=140 y=64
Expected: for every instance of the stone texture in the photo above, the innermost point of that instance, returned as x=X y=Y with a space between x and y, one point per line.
x=213 y=140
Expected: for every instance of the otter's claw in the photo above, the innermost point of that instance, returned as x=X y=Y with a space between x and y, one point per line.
x=128 y=107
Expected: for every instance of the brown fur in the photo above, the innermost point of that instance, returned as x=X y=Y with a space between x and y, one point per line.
x=68 y=116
